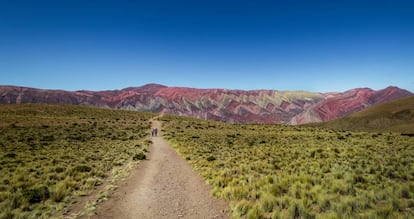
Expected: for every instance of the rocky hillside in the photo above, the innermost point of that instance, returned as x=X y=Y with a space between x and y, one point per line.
x=234 y=106
x=392 y=116
x=338 y=105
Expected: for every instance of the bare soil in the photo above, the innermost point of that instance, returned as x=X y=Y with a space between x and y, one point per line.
x=163 y=186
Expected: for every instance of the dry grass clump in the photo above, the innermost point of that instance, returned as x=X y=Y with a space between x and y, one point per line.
x=49 y=155
x=275 y=171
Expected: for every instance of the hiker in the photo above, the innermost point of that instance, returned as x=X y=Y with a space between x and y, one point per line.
x=152 y=132
x=155 y=131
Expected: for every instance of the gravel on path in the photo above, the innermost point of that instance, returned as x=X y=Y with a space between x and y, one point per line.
x=163 y=186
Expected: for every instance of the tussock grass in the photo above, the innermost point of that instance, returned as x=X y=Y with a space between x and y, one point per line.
x=275 y=171
x=51 y=154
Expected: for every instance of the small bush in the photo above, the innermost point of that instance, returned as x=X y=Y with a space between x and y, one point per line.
x=82 y=168
x=211 y=158
x=36 y=194
x=254 y=213
x=10 y=155
x=341 y=138
x=48 y=138
x=267 y=203
x=241 y=209
x=59 y=169
x=61 y=190
x=139 y=156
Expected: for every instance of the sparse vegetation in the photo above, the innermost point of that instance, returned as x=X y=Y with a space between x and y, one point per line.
x=275 y=171
x=51 y=154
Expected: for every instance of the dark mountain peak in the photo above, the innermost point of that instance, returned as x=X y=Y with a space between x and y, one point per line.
x=389 y=93
x=153 y=86
x=394 y=89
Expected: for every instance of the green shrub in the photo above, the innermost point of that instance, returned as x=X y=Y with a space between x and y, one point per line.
x=254 y=213
x=82 y=168
x=268 y=202
x=211 y=158
x=36 y=194
x=139 y=156
x=62 y=189
x=241 y=209
x=10 y=155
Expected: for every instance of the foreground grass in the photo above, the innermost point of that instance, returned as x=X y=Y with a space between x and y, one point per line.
x=49 y=155
x=299 y=172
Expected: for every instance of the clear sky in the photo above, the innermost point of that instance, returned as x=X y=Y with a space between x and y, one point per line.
x=281 y=44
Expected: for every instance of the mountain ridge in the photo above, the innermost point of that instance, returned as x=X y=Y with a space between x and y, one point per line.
x=392 y=116
x=227 y=105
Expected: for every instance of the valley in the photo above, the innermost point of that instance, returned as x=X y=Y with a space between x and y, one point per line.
x=63 y=161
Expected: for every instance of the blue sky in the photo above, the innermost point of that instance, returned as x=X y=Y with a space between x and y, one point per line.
x=282 y=45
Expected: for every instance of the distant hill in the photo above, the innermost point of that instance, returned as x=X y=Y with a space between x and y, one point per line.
x=233 y=106
x=393 y=116
x=338 y=105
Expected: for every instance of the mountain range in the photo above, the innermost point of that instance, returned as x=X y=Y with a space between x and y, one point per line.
x=233 y=106
x=392 y=116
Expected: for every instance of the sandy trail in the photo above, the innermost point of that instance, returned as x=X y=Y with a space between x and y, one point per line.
x=163 y=186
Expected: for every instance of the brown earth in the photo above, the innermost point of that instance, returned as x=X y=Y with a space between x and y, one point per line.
x=163 y=186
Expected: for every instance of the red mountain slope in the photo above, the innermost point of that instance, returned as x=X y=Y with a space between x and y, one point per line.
x=343 y=104
x=235 y=106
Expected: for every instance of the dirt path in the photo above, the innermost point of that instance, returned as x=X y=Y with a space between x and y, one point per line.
x=163 y=186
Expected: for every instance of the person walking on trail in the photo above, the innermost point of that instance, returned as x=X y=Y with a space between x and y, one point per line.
x=154 y=132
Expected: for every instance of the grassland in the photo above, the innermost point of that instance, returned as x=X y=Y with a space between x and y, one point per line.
x=393 y=116
x=50 y=155
x=299 y=172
